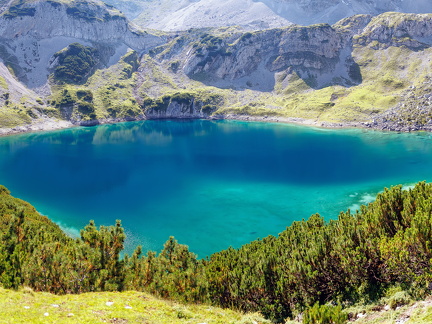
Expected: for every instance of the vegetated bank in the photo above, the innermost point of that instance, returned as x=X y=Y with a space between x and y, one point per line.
x=27 y=306
x=355 y=258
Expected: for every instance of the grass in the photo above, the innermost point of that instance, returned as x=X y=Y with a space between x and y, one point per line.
x=26 y=306
x=3 y=83
x=13 y=116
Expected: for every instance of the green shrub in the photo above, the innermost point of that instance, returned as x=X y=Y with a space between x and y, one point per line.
x=85 y=95
x=324 y=314
x=75 y=63
x=400 y=298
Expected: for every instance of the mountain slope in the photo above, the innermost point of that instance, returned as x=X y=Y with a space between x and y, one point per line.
x=31 y=32
x=84 y=63
x=256 y=14
x=27 y=306
x=349 y=72
x=213 y=13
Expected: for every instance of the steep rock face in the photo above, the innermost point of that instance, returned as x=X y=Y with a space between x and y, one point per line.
x=175 y=109
x=248 y=14
x=306 y=12
x=32 y=32
x=391 y=29
x=258 y=14
x=319 y=54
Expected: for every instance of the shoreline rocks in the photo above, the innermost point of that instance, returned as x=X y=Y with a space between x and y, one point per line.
x=50 y=124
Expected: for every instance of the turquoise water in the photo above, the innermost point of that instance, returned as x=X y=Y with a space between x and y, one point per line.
x=211 y=184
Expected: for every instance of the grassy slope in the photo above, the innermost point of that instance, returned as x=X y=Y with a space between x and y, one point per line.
x=26 y=306
x=414 y=313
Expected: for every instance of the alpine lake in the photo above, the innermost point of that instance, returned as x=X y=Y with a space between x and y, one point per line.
x=210 y=184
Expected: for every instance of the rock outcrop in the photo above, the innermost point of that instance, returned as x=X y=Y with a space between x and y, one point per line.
x=31 y=32
x=319 y=54
x=257 y=14
x=100 y=68
x=410 y=30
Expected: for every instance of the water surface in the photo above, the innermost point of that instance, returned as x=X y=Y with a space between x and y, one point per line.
x=211 y=184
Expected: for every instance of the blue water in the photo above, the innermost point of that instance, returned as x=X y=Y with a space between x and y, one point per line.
x=211 y=184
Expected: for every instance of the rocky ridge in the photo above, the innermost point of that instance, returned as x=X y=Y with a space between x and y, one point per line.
x=31 y=32
x=256 y=14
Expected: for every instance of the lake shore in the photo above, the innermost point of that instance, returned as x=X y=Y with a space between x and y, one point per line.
x=48 y=124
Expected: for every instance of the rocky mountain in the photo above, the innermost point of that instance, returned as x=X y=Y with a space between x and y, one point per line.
x=83 y=62
x=256 y=14
x=31 y=32
x=306 y=12
x=248 y=14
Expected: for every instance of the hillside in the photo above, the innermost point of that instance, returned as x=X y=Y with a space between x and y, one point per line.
x=93 y=66
x=372 y=261
x=170 y=15
x=27 y=306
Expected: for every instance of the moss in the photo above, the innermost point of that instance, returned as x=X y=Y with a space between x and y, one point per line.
x=86 y=108
x=174 y=66
x=113 y=89
x=182 y=98
x=87 y=14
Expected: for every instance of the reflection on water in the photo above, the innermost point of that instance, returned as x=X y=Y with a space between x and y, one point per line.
x=209 y=183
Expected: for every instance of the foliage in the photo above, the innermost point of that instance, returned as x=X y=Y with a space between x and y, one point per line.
x=324 y=314
x=355 y=258
x=17 y=10
x=206 y=102
x=75 y=63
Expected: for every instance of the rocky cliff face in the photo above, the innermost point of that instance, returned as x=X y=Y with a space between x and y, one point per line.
x=31 y=32
x=350 y=71
x=257 y=14
x=175 y=109
x=330 y=11
x=412 y=31
x=319 y=54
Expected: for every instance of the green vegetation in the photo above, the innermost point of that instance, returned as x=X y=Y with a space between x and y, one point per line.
x=75 y=63
x=27 y=306
x=382 y=250
x=324 y=314
x=3 y=83
x=205 y=102
x=74 y=104
x=17 y=10
x=14 y=115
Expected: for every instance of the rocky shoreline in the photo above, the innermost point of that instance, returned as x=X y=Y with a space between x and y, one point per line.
x=380 y=123
x=388 y=121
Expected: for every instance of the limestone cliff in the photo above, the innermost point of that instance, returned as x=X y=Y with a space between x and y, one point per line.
x=352 y=71
x=318 y=54
x=31 y=32
x=256 y=14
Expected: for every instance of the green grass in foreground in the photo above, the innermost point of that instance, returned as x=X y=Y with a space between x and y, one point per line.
x=26 y=306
